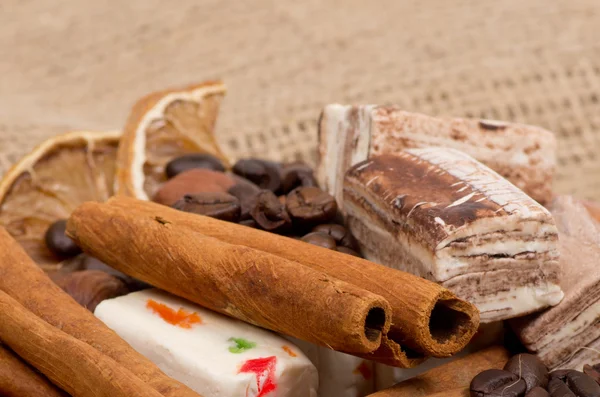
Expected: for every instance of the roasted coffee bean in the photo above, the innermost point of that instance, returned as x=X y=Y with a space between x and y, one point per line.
x=348 y=251
x=530 y=368
x=245 y=191
x=560 y=374
x=341 y=235
x=192 y=182
x=216 y=205
x=310 y=206
x=320 y=239
x=190 y=161
x=263 y=173
x=268 y=212
x=59 y=243
x=593 y=371
x=582 y=385
x=537 y=392
x=558 y=388
x=296 y=174
x=250 y=223
x=497 y=383
x=569 y=383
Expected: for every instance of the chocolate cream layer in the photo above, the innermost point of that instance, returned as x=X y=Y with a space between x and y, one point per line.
x=569 y=333
x=524 y=154
x=442 y=215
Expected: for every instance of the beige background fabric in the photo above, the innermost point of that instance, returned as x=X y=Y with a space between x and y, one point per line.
x=77 y=64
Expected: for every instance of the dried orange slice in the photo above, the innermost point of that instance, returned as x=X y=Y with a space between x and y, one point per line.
x=162 y=126
x=50 y=182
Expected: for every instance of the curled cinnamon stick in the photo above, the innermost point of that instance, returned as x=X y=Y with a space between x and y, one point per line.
x=427 y=318
x=455 y=375
x=22 y=279
x=251 y=285
x=17 y=379
x=73 y=365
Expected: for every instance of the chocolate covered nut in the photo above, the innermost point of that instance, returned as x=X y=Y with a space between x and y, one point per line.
x=296 y=174
x=320 y=239
x=310 y=205
x=496 y=383
x=263 y=173
x=191 y=161
x=268 y=212
x=59 y=243
x=341 y=235
x=90 y=287
x=214 y=204
x=192 y=182
x=592 y=372
x=537 y=392
x=582 y=385
x=530 y=368
x=245 y=191
x=348 y=251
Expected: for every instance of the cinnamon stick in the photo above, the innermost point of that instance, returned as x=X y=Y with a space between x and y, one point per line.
x=455 y=375
x=70 y=363
x=17 y=379
x=427 y=318
x=22 y=279
x=251 y=285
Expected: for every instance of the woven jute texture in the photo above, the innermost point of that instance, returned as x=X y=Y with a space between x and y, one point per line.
x=73 y=64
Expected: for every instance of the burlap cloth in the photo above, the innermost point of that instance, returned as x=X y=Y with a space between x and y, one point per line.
x=75 y=64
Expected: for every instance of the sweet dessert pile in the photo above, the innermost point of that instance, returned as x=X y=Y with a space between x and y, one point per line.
x=150 y=263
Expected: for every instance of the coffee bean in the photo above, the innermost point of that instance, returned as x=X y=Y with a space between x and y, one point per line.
x=320 y=239
x=265 y=174
x=310 y=206
x=558 y=388
x=192 y=182
x=341 y=235
x=592 y=371
x=214 y=204
x=268 y=212
x=296 y=174
x=582 y=385
x=59 y=243
x=530 y=368
x=245 y=191
x=560 y=374
x=190 y=161
x=496 y=383
x=537 y=392
x=250 y=223
x=348 y=251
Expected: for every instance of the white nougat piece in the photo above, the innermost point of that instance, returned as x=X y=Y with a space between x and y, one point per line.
x=212 y=354
x=340 y=374
x=524 y=154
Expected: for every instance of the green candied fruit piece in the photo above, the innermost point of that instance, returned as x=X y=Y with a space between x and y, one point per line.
x=241 y=345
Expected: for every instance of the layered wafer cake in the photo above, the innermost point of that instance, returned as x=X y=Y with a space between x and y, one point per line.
x=568 y=335
x=444 y=216
x=523 y=154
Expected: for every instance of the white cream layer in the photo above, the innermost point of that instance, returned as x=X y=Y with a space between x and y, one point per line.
x=200 y=356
